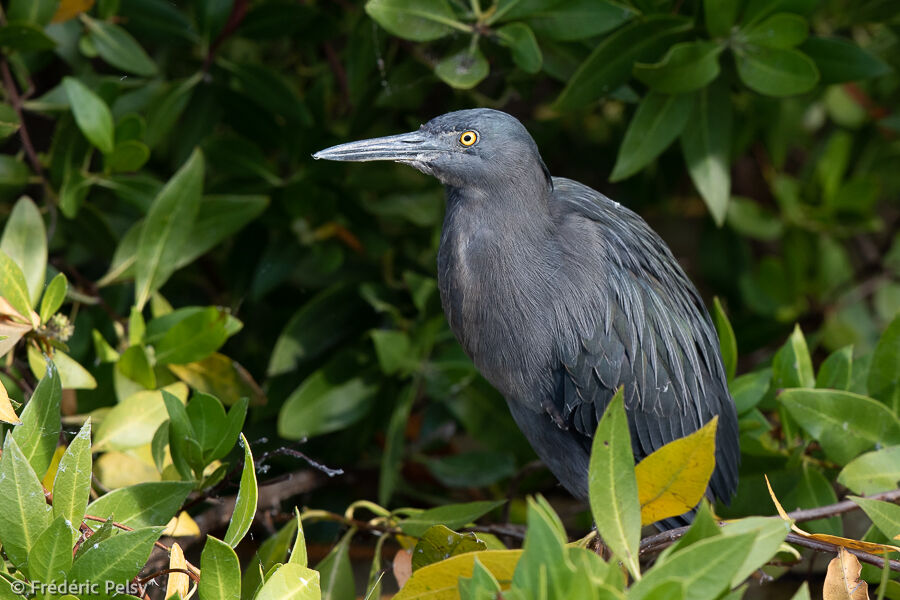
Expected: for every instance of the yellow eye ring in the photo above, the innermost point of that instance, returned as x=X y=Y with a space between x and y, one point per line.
x=468 y=138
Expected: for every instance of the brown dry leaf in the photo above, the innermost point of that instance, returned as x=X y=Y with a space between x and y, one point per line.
x=178 y=583
x=7 y=414
x=69 y=9
x=843 y=542
x=12 y=326
x=842 y=580
x=402 y=567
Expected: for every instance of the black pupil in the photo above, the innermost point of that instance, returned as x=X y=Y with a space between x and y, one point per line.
x=467 y=137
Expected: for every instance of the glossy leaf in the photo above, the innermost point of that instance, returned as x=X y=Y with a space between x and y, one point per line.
x=613 y=486
x=706 y=145
x=523 y=46
x=245 y=505
x=453 y=516
x=116 y=559
x=686 y=67
x=873 y=472
x=72 y=485
x=781 y=30
x=673 y=479
x=25 y=242
x=25 y=512
x=221 y=571
x=776 y=72
x=439 y=543
x=118 y=48
x=54 y=296
x=845 y=424
x=293 y=582
x=38 y=434
x=416 y=20
x=463 y=70
x=142 y=505
x=167 y=227
x=91 y=113
x=610 y=64
x=444 y=576
x=659 y=119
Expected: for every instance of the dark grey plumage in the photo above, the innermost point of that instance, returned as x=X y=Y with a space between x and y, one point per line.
x=561 y=295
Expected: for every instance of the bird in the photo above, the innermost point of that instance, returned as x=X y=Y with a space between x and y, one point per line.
x=560 y=295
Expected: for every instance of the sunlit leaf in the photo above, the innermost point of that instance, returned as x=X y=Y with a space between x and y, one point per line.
x=873 y=472
x=842 y=580
x=142 y=505
x=221 y=571
x=25 y=512
x=443 y=577
x=72 y=484
x=177 y=583
x=293 y=582
x=25 y=242
x=54 y=296
x=38 y=434
x=91 y=113
x=116 y=559
x=51 y=556
x=245 y=505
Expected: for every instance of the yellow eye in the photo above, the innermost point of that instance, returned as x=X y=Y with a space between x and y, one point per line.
x=468 y=138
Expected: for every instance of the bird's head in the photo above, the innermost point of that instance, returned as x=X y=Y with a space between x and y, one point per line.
x=478 y=148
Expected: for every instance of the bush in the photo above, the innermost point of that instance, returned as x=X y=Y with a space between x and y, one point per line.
x=175 y=269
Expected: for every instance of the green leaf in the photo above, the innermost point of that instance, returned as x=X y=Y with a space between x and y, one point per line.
x=167 y=228
x=392 y=457
x=609 y=65
x=296 y=582
x=24 y=37
x=207 y=416
x=814 y=489
x=25 y=512
x=748 y=390
x=72 y=484
x=298 y=550
x=482 y=585
x=776 y=72
x=234 y=421
x=134 y=364
x=38 y=434
x=613 y=486
x=54 y=296
x=686 y=67
x=117 y=559
x=706 y=144
x=522 y=45
x=792 y=365
x=704 y=568
x=132 y=422
x=193 y=338
x=51 y=557
x=14 y=288
x=542 y=568
x=39 y=12
x=320 y=324
x=118 y=48
x=840 y=60
x=218 y=219
x=336 y=571
x=720 y=16
x=322 y=405
x=142 y=504
x=416 y=20
x=394 y=351
x=727 y=342
x=578 y=19
x=72 y=374
x=659 y=119
x=91 y=114
x=127 y=156
x=884 y=372
x=845 y=424
x=463 y=70
x=166 y=110
x=884 y=515
x=9 y=121
x=769 y=535
x=439 y=542
x=186 y=452
x=873 y=472
x=221 y=571
x=834 y=373
x=453 y=516
x=272 y=552
x=782 y=30
x=245 y=505
x=472 y=469
x=25 y=242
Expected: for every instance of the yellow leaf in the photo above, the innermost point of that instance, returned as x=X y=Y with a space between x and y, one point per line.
x=121 y=469
x=7 y=414
x=50 y=475
x=182 y=526
x=842 y=580
x=221 y=377
x=843 y=542
x=69 y=9
x=72 y=374
x=672 y=480
x=11 y=326
x=178 y=582
x=440 y=581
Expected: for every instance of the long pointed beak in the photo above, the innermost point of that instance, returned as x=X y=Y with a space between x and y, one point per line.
x=417 y=146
